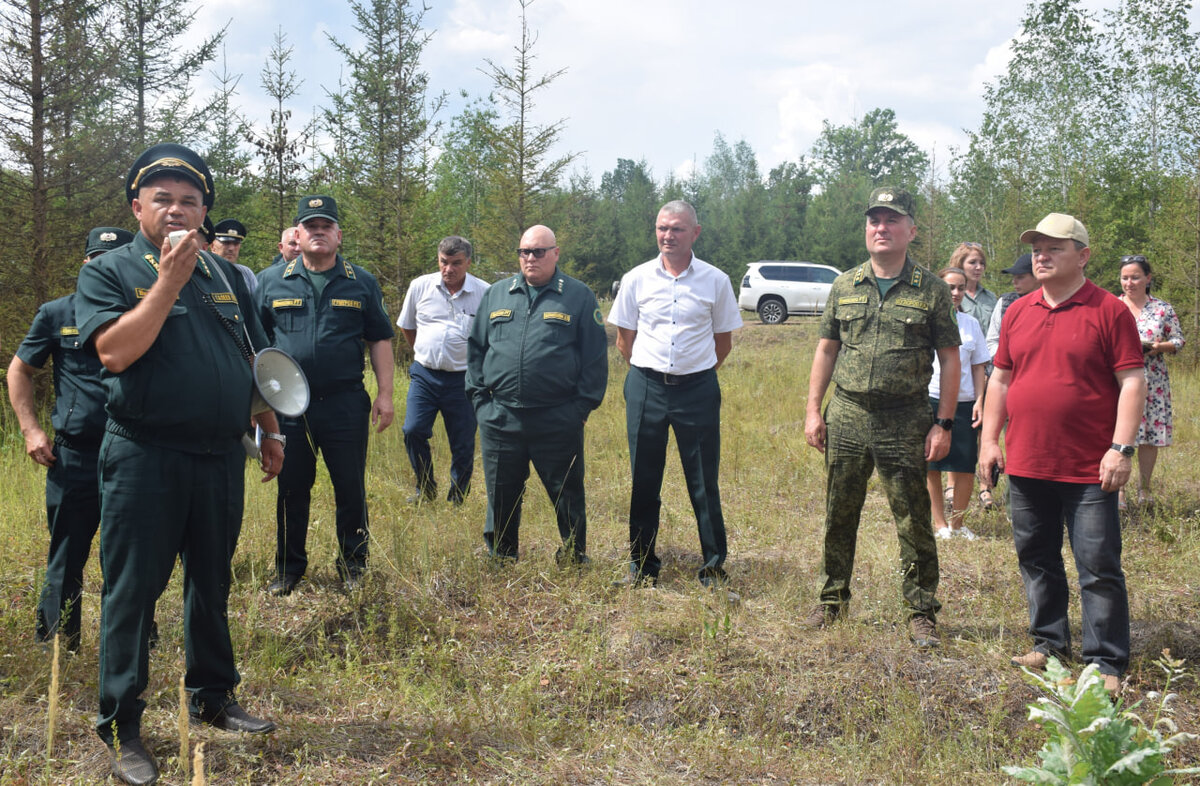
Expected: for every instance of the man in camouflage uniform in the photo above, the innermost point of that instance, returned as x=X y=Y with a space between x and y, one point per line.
x=883 y=322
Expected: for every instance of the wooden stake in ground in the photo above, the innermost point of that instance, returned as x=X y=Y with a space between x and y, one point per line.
x=184 y=760
x=52 y=720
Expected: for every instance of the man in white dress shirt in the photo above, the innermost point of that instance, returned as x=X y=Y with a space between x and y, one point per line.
x=436 y=320
x=675 y=316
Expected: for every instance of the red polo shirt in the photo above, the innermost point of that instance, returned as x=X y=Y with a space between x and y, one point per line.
x=1062 y=395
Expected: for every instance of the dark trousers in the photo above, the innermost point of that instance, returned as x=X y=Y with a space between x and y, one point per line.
x=693 y=410
x=158 y=504
x=338 y=427
x=431 y=391
x=892 y=441
x=1040 y=508
x=73 y=515
x=552 y=439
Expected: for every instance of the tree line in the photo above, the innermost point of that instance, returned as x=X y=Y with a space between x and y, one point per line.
x=1097 y=115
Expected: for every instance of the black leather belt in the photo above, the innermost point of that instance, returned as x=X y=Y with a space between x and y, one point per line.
x=77 y=443
x=672 y=379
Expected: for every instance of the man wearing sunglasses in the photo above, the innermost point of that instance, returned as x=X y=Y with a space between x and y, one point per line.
x=537 y=365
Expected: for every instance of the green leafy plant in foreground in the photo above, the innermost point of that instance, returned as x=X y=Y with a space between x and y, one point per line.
x=1094 y=741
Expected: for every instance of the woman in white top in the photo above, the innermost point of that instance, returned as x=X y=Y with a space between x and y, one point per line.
x=964 y=453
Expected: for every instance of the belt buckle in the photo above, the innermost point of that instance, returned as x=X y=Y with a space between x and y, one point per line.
x=670 y=379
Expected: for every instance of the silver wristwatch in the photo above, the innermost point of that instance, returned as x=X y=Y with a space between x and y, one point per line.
x=280 y=438
x=1125 y=450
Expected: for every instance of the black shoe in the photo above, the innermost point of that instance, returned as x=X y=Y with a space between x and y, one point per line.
x=427 y=494
x=456 y=497
x=353 y=580
x=283 y=585
x=152 y=637
x=132 y=763
x=717 y=586
x=566 y=558
x=637 y=581
x=234 y=718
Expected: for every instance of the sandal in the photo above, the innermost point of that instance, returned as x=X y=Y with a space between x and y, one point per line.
x=985 y=499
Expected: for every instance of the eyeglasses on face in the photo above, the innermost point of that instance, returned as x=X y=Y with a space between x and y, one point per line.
x=1138 y=258
x=536 y=253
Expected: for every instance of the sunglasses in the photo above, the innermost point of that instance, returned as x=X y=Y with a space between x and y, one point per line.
x=536 y=253
x=1138 y=258
x=969 y=244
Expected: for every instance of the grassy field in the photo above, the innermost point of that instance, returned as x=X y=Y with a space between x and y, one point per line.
x=444 y=669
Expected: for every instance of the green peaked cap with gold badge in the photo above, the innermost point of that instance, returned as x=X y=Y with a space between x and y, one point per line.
x=169 y=158
x=103 y=239
x=316 y=206
x=895 y=199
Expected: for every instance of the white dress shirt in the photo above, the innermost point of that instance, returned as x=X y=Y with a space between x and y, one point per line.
x=442 y=321
x=675 y=316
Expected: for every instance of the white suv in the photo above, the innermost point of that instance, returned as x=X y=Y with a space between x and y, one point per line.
x=777 y=289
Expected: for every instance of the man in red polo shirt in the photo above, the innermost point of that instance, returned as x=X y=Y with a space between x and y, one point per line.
x=1069 y=383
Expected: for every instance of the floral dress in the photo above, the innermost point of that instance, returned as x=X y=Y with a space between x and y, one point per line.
x=1157 y=322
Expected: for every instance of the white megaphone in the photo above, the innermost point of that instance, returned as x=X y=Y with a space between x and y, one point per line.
x=279 y=385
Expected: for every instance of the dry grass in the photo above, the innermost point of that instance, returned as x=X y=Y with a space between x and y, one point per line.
x=444 y=669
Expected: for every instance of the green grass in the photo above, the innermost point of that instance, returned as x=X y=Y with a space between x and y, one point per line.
x=445 y=669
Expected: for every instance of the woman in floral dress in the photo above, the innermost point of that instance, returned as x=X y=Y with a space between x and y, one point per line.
x=1158 y=326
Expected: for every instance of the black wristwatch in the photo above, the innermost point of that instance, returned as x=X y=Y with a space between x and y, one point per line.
x=1125 y=450
x=946 y=423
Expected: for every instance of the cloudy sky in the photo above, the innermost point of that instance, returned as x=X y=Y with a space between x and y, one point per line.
x=658 y=79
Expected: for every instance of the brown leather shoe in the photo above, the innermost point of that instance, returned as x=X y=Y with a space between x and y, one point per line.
x=822 y=616
x=923 y=631
x=1112 y=684
x=1033 y=660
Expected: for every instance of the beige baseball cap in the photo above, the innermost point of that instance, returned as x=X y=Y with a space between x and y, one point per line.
x=1057 y=225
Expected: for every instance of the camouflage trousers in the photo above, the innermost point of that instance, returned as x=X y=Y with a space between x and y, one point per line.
x=892 y=441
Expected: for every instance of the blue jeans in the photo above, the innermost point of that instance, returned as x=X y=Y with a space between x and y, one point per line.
x=431 y=391
x=1039 y=510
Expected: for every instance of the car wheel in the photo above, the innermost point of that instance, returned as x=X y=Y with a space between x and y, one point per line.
x=772 y=311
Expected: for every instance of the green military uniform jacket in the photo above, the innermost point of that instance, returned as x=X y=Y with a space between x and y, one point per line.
x=887 y=344
x=191 y=390
x=326 y=337
x=542 y=353
x=78 y=393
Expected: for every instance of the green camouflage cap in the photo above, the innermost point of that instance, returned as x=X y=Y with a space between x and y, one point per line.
x=103 y=239
x=895 y=199
x=316 y=206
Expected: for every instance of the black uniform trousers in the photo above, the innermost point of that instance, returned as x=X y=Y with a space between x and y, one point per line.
x=73 y=515
x=338 y=425
x=157 y=504
x=691 y=405
x=551 y=438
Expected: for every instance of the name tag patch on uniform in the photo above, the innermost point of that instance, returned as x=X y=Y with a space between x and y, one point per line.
x=141 y=292
x=338 y=302
x=224 y=297
x=69 y=330
x=500 y=313
x=287 y=302
x=557 y=316
x=851 y=299
x=909 y=302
